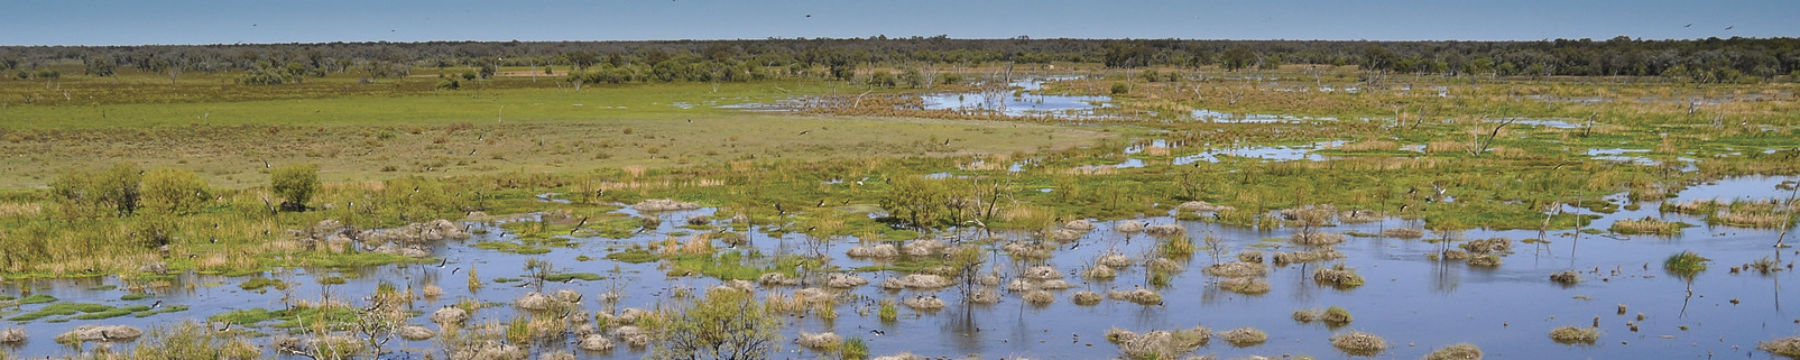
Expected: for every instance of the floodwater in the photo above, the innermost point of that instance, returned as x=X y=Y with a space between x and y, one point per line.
x=1416 y=303
x=1021 y=104
x=1246 y=118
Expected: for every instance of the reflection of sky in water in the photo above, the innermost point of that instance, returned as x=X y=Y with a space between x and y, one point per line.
x=1271 y=153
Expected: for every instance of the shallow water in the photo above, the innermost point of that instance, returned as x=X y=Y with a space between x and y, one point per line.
x=1025 y=104
x=1417 y=304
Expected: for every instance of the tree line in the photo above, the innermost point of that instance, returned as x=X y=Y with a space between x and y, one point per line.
x=1711 y=59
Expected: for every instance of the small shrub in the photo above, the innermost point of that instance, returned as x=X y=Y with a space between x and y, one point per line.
x=295 y=184
x=174 y=191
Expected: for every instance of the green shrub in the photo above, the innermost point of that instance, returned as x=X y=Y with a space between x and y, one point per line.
x=295 y=184
x=86 y=195
x=722 y=325
x=1120 y=88
x=174 y=191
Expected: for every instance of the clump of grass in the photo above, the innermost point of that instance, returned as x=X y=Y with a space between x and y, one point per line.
x=1462 y=351
x=1359 y=343
x=1488 y=246
x=890 y=311
x=1250 y=256
x=1765 y=265
x=1317 y=238
x=1236 y=269
x=1163 y=344
x=1569 y=277
x=1685 y=264
x=1039 y=297
x=1086 y=298
x=1306 y=316
x=1244 y=336
x=854 y=349
x=1177 y=247
x=259 y=283
x=1485 y=260
x=1336 y=316
x=1646 y=225
x=1570 y=335
x=1339 y=276
x=1789 y=347
x=1245 y=285
x=1403 y=233
x=822 y=342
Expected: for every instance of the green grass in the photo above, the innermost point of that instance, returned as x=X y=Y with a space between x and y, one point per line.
x=259 y=283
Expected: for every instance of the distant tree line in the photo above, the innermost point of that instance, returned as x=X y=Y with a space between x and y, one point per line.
x=1704 y=60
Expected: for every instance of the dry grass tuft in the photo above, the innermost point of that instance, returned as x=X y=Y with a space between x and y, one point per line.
x=1570 y=335
x=1244 y=336
x=1245 y=285
x=1040 y=297
x=1359 y=343
x=1462 y=351
x=1403 y=233
x=1237 y=269
x=1789 y=347
x=1164 y=344
x=1569 y=277
x=1339 y=276
x=1086 y=298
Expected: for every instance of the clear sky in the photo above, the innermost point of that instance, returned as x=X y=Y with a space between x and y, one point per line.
x=136 y=22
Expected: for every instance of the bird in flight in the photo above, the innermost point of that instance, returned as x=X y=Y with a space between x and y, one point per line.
x=809 y=15
x=1689 y=25
x=1729 y=27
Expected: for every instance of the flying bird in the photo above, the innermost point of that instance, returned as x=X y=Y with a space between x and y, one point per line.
x=1689 y=25
x=1730 y=27
x=809 y=15
x=803 y=132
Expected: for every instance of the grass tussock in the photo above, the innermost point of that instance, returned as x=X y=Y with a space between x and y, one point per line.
x=1646 y=225
x=1161 y=344
x=1359 y=343
x=1464 y=351
x=1245 y=285
x=1339 y=276
x=1570 y=335
x=1403 y=233
x=1569 y=277
x=1789 y=347
x=1244 y=336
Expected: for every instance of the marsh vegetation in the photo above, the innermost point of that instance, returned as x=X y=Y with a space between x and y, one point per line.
x=679 y=201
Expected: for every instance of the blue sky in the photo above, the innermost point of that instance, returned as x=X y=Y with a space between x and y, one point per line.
x=91 y=22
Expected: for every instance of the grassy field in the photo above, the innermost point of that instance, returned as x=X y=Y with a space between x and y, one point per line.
x=495 y=145
x=450 y=133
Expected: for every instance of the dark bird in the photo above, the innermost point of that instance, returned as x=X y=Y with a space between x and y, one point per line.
x=808 y=15
x=804 y=132
x=946 y=142
x=442 y=263
x=453 y=271
x=227 y=327
x=877 y=332
x=215 y=240
x=267 y=165
x=1730 y=27
x=778 y=209
x=578 y=226
x=1689 y=25
x=690 y=121
x=156 y=305
x=471 y=152
x=821 y=203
